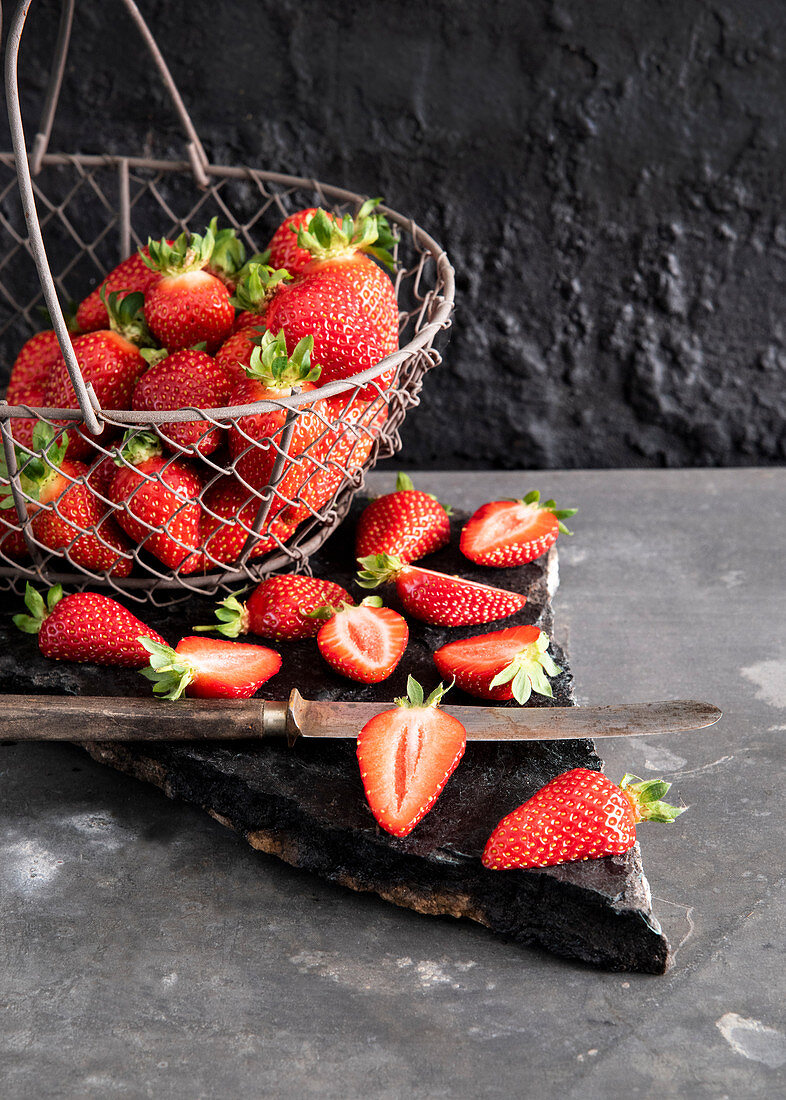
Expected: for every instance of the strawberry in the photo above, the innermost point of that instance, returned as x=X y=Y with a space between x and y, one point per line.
x=228 y=258
x=32 y=366
x=272 y=375
x=187 y=305
x=188 y=378
x=66 y=514
x=278 y=608
x=235 y=353
x=407 y=523
x=512 y=532
x=22 y=428
x=254 y=293
x=85 y=626
x=156 y=492
x=362 y=643
x=132 y=274
x=436 y=597
x=406 y=756
x=229 y=509
x=209 y=668
x=506 y=664
x=110 y=361
x=283 y=247
x=578 y=815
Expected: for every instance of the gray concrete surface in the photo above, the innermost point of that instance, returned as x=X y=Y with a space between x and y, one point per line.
x=147 y=952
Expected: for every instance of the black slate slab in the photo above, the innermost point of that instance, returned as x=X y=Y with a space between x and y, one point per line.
x=306 y=804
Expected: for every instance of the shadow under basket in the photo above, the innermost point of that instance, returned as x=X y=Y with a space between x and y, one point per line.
x=91 y=212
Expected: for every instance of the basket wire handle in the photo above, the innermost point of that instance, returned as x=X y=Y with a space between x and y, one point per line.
x=41 y=140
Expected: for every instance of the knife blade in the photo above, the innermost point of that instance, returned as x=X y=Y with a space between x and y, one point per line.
x=94 y=718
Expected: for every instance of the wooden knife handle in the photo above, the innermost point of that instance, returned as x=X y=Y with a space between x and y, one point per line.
x=92 y=718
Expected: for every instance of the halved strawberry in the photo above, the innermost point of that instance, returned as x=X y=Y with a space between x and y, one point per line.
x=436 y=597
x=578 y=815
x=408 y=523
x=209 y=668
x=406 y=756
x=512 y=532
x=505 y=664
x=278 y=608
x=362 y=643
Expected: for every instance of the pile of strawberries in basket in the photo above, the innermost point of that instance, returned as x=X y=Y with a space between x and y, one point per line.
x=406 y=754
x=193 y=324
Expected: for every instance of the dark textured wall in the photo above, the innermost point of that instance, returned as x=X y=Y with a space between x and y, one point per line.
x=607 y=178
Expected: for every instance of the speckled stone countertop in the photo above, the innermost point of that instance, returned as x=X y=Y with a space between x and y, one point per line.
x=148 y=952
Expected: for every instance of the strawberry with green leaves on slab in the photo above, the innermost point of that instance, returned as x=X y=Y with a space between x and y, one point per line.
x=407 y=523
x=209 y=668
x=363 y=642
x=577 y=815
x=406 y=756
x=437 y=597
x=504 y=533
x=502 y=665
x=85 y=626
x=278 y=607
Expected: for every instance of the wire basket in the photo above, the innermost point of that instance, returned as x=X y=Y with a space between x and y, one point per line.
x=95 y=210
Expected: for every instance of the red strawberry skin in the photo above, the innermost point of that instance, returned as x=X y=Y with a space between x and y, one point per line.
x=32 y=366
x=170 y=501
x=187 y=378
x=406 y=756
x=235 y=353
x=408 y=523
x=183 y=310
x=474 y=662
x=505 y=533
x=228 y=513
x=132 y=274
x=364 y=643
x=276 y=608
x=372 y=287
x=578 y=815
x=227 y=670
x=451 y=601
x=22 y=429
x=87 y=626
x=284 y=249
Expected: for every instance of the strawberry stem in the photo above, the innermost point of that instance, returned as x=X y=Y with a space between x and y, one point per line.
x=187 y=253
x=275 y=370
x=257 y=287
x=415 y=696
x=645 y=796
x=229 y=252
x=232 y=618
x=328 y=238
x=528 y=671
x=377 y=569
x=169 y=673
x=137 y=447
x=38 y=608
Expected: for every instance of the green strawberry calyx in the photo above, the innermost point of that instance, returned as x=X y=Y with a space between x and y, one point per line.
x=126 y=316
x=39 y=608
x=169 y=673
x=232 y=616
x=275 y=369
x=529 y=670
x=229 y=252
x=377 y=569
x=328 y=238
x=36 y=469
x=328 y=611
x=187 y=253
x=533 y=499
x=416 y=697
x=257 y=287
x=645 y=796
x=137 y=447
x=405 y=484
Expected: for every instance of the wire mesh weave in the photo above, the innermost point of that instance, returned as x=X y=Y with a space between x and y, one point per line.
x=95 y=210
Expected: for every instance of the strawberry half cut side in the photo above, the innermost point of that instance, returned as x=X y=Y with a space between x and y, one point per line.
x=362 y=643
x=505 y=664
x=577 y=815
x=209 y=668
x=505 y=533
x=406 y=756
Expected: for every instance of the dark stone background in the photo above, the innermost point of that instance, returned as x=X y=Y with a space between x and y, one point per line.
x=607 y=179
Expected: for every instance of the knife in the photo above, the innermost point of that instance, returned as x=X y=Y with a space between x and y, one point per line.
x=96 y=718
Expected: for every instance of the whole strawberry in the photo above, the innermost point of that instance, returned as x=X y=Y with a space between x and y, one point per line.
x=578 y=815
x=436 y=597
x=283 y=247
x=85 y=626
x=278 y=608
x=32 y=366
x=512 y=532
x=131 y=275
x=65 y=513
x=187 y=305
x=185 y=379
x=408 y=523
x=158 y=502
